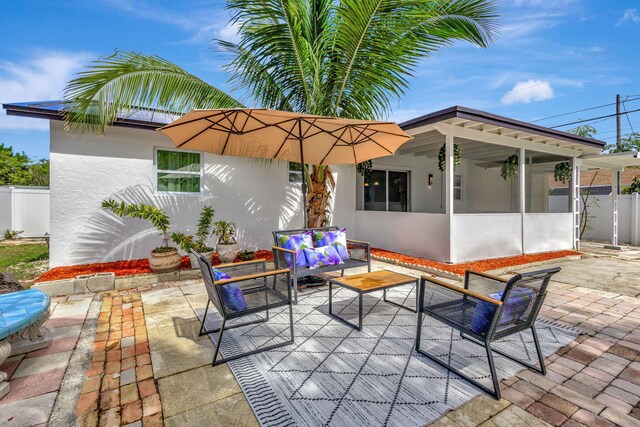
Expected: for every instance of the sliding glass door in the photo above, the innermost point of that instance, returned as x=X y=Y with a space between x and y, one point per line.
x=386 y=191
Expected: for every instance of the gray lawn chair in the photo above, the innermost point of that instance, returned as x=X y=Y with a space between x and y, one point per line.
x=262 y=291
x=479 y=317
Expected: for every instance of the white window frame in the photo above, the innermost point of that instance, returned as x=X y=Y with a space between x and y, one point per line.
x=458 y=187
x=156 y=171
x=386 y=177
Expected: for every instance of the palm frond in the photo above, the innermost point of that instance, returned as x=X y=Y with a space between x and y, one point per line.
x=280 y=38
x=379 y=43
x=127 y=81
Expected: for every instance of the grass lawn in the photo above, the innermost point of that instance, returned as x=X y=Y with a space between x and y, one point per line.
x=25 y=261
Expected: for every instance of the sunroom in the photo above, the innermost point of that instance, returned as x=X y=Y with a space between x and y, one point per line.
x=473 y=185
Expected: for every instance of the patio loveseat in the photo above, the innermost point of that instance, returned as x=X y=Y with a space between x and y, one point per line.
x=359 y=256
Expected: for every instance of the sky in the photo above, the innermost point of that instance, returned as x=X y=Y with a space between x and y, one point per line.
x=551 y=57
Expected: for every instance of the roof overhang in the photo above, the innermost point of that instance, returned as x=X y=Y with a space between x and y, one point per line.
x=486 y=127
x=54 y=110
x=613 y=161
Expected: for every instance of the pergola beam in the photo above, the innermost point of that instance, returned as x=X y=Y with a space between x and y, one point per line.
x=477 y=135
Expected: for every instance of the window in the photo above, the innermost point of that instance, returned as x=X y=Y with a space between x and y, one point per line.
x=386 y=191
x=457 y=187
x=295 y=173
x=178 y=171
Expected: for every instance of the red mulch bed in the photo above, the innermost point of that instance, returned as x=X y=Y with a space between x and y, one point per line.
x=482 y=265
x=126 y=268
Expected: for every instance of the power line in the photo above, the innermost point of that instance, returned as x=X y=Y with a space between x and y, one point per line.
x=583 y=110
x=627 y=115
x=594 y=118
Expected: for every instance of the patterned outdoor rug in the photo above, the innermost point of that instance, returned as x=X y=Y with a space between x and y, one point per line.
x=335 y=375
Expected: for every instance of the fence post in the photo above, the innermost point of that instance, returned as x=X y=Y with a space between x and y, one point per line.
x=13 y=208
x=635 y=225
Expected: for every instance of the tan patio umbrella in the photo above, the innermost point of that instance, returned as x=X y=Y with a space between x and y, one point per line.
x=283 y=135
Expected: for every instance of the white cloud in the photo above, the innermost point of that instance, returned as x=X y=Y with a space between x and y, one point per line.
x=40 y=77
x=528 y=91
x=630 y=15
x=230 y=32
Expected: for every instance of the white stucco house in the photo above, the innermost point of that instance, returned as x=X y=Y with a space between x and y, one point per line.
x=407 y=204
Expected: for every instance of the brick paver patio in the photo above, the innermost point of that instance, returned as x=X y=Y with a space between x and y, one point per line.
x=147 y=365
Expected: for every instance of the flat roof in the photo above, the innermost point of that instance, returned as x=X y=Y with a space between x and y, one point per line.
x=493 y=119
x=152 y=119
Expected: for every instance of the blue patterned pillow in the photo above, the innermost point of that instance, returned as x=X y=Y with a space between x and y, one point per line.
x=321 y=256
x=337 y=238
x=512 y=310
x=232 y=295
x=297 y=243
x=219 y=275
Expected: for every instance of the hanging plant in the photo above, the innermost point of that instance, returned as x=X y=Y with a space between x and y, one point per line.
x=442 y=157
x=509 y=167
x=364 y=168
x=563 y=172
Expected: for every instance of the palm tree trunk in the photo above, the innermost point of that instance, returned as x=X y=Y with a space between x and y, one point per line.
x=318 y=196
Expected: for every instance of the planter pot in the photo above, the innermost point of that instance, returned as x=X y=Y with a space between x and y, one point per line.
x=194 y=260
x=165 y=261
x=227 y=253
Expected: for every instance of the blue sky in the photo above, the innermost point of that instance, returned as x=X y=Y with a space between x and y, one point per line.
x=552 y=57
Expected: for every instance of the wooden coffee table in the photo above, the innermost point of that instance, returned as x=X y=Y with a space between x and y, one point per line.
x=370 y=282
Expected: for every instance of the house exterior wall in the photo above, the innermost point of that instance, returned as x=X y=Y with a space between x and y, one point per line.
x=87 y=169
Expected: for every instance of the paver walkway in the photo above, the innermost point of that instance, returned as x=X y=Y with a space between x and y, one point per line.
x=148 y=366
x=119 y=388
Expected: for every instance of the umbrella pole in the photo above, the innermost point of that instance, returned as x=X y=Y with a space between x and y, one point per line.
x=304 y=176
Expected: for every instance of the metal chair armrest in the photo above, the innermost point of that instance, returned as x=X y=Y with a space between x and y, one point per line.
x=366 y=246
x=487 y=275
x=241 y=263
x=252 y=277
x=461 y=291
x=280 y=260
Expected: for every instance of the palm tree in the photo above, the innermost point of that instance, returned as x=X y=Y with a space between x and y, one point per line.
x=347 y=58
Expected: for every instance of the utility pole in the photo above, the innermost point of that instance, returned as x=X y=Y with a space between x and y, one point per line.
x=618 y=135
x=618 y=138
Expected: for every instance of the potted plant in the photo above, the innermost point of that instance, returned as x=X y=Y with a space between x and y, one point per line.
x=246 y=255
x=227 y=246
x=198 y=241
x=163 y=258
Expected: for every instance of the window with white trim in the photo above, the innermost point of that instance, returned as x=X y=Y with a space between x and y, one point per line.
x=457 y=187
x=178 y=171
x=295 y=173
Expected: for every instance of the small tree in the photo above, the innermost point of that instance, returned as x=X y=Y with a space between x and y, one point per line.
x=156 y=216
x=634 y=187
x=14 y=167
x=199 y=241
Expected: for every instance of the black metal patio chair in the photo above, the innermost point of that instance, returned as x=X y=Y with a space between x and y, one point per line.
x=249 y=290
x=487 y=309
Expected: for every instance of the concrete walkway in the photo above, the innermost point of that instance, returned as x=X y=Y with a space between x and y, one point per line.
x=148 y=366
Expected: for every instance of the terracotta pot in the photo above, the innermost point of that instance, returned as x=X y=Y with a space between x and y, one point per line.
x=164 y=262
x=227 y=253
x=194 y=260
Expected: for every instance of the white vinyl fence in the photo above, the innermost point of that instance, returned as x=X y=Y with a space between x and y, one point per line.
x=600 y=223
x=24 y=208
